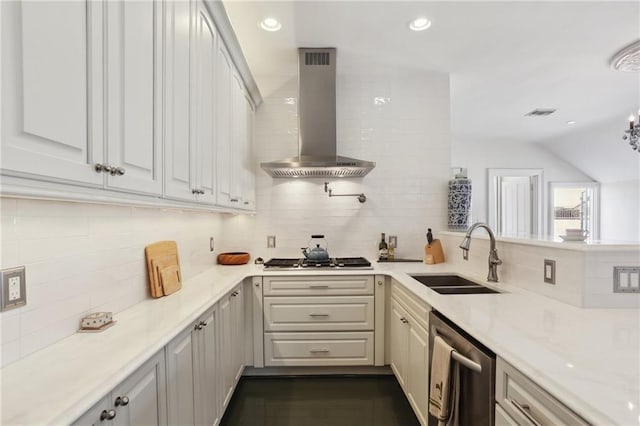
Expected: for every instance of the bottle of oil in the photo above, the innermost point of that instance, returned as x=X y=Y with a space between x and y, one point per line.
x=383 y=249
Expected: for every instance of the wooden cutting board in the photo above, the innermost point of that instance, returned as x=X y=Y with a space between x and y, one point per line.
x=163 y=265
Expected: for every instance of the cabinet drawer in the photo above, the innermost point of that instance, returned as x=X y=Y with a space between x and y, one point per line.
x=418 y=309
x=526 y=402
x=320 y=313
x=318 y=285
x=316 y=349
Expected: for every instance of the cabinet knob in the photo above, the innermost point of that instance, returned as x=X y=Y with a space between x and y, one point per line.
x=203 y=323
x=119 y=171
x=257 y=284
x=379 y=282
x=194 y=191
x=197 y=326
x=234 y=294
x=404 y=320
x=100 y=168
x=107 y=415
x=234 y=200
x=121 y=401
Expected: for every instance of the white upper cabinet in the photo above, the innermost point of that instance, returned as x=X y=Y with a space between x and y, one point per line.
x=52 y=90
x=190 y=137
x=177 y=71
x=116 y=96
x=238 y=139
x=248 y=170
x=204 y=96
x=134 y=95
x=223 y=125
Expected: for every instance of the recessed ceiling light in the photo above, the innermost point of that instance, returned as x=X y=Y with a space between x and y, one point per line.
x=270 y=24
x=571 y=122
x=420 y=24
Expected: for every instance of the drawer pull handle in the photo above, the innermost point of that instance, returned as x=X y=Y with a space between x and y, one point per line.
x=319 y=315
x=318 y=286
x=526 y=411
x=319 y=351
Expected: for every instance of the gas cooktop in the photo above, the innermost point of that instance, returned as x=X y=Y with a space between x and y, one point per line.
x=342 y=263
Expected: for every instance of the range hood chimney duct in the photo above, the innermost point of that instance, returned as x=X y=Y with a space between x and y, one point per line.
x=317 y=124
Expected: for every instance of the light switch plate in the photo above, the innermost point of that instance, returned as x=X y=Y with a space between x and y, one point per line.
x=271 y=241
x=14 y=288
x=550 y=271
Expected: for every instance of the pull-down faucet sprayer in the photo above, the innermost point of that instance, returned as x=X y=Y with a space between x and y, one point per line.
x=494 y=260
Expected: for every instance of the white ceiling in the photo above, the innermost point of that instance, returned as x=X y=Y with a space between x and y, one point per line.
x=504 y=58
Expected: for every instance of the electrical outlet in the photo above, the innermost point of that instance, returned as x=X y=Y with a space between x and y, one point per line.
x=393 y=241
x=211 y=244
x=14 y=293
x=550 y=271
x=271 y=241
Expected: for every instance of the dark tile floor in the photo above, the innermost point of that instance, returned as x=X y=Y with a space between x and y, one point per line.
x=319 y=401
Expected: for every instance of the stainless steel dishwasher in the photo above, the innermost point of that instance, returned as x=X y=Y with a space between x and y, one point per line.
x=477 y=372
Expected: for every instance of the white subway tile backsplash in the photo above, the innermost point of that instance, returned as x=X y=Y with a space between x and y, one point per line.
x=83 y=258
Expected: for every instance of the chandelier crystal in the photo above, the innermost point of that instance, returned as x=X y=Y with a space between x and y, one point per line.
x=633 y=133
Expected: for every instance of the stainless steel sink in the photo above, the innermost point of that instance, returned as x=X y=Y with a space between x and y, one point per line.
x=452 y=284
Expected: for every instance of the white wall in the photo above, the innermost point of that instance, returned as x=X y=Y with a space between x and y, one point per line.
x=409 y=139
x=83 y=258
x=620 y=211
x=478 y=157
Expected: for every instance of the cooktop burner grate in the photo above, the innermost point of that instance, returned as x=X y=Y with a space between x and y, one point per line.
x=282 y=263
x=334 y=262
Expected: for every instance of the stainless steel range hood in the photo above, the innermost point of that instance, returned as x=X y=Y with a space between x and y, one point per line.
x=317 y=124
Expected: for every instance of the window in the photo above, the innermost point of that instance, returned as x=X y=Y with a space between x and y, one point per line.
x=574 y=205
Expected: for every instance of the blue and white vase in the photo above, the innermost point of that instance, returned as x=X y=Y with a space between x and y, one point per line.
x=459 y=218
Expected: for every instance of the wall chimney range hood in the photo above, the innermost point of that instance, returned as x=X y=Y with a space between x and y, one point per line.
x=317 y=124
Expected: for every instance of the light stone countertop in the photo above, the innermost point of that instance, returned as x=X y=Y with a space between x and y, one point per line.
x=587 y=358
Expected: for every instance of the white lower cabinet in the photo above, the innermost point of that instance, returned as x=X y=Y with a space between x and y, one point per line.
x=232 y=342
x=520 y=401
x=319 y=320
x=318 y=349
x=409 y=358
x=192 y=371
x=138 y=400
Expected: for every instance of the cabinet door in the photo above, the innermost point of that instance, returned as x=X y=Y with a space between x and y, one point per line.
x=223 y=124
x=180 y=374
x=93 y=416
x=52 y=90
x=399 y=343
x=237 y=313
x=238 y=132
x=226 y=343
x=141 y=398
x=204 y=98
x=249 y=176
x=208 y=409
x=179 y=156
x=134 y=102
x=418 y=370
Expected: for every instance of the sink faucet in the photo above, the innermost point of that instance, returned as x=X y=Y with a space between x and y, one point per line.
x=494 y=260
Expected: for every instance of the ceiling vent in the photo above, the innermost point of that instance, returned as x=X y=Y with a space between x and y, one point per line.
x=540 y=112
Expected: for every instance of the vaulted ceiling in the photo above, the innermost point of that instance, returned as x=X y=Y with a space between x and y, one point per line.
x=504 y=58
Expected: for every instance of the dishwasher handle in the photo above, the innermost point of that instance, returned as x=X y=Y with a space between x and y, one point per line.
x=456 y=356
